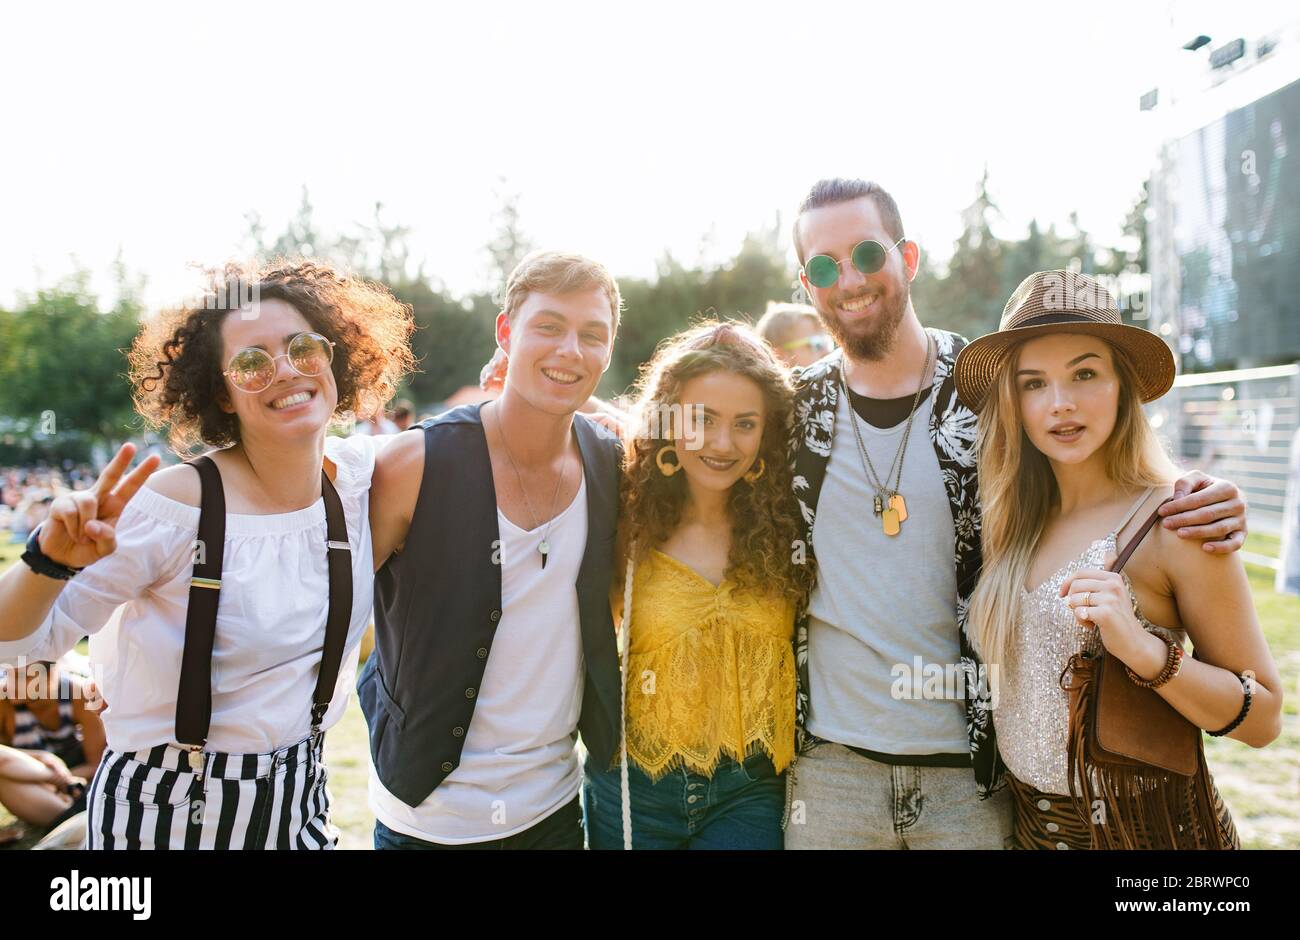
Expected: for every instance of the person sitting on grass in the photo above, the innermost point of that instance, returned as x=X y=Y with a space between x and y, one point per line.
x=49 y=715
x=38 y=788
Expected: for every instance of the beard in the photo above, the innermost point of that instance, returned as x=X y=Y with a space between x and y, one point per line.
x=872 y=339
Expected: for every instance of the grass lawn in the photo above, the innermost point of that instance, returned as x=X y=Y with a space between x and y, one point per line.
x=1261 y=787
x=347 y=749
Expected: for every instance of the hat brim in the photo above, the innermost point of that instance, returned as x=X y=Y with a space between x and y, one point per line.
x=978 y=364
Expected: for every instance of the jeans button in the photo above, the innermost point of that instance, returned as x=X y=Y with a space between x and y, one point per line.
x=1044 y=805
x=1052 y=827
x=692 y=799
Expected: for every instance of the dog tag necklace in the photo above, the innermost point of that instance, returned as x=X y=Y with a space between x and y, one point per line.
x=544 y=548
x=888 y=503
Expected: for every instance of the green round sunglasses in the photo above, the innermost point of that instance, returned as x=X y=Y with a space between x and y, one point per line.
x=868 y=257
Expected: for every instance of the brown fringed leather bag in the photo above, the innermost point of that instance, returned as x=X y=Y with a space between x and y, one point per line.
x=1134 y=752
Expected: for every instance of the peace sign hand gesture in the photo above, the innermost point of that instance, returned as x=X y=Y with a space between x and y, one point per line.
x=80 y=529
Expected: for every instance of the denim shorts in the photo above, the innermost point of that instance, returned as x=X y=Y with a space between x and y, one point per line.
x=738 y=807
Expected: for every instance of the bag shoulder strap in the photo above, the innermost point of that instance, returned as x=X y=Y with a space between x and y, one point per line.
x=625 y=790
x=1133 y=510
x=1137 y=538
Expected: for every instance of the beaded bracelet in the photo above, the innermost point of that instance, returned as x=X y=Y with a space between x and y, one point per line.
x=1173 y=666
x=1248 y=691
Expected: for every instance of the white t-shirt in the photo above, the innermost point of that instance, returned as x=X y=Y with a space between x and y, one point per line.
x=270 y=618
x=519 y=764
x=884 y=612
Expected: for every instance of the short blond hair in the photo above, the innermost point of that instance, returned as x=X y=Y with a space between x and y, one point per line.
x=559 y=272
x=779 y=320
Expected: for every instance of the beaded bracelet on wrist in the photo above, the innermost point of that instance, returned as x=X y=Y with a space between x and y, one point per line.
x=1248 y=692
x=1173 y=666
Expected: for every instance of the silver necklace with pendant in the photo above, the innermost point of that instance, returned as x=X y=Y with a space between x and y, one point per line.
x=543 y=549
x=888 y=503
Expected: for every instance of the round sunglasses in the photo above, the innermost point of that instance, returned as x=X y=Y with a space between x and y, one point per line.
x=253 y=369
x=819 y=343
x=868 y=257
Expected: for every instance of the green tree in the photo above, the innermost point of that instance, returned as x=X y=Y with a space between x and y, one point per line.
x=62 y=369
x=510 y=243
x=657 y=308
x=453 y=340
x=969 y=298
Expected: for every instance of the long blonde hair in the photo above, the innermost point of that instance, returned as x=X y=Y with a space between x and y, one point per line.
x=1018 y=491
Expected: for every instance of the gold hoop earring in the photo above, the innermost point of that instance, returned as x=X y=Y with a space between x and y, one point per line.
x=671 y=468
x=753 y=476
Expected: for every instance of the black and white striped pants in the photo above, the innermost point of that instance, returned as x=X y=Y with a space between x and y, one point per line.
x=150 y=799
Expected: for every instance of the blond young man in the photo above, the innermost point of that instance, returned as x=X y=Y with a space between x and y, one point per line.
x=493 y=531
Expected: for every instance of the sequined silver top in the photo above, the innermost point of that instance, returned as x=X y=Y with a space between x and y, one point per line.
x=1031 y=713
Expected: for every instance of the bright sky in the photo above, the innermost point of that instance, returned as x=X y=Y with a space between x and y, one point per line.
x=627 y=129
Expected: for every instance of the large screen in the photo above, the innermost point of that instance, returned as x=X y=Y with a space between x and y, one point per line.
x=1237 y=236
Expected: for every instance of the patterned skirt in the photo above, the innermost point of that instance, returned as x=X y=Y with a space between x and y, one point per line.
x=1051 y=821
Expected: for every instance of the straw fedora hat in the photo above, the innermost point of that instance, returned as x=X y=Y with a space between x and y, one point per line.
x=1061 y=302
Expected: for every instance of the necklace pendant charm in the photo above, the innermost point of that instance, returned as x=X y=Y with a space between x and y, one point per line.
x=877 y=504
x=897 y=504
x=889 y=519
x=544 y=549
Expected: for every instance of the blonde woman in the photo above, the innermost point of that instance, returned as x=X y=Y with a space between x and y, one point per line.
x=1069 y=472
x=708 y=521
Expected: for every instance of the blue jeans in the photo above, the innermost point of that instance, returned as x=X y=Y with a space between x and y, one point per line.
x=560 y=830
x=739 y=807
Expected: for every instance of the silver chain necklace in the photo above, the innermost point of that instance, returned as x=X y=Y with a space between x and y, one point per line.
x=888 y=503
x=544 y=549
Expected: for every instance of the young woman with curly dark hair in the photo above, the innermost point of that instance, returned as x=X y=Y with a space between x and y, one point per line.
x=228 y=660
x=713 y=578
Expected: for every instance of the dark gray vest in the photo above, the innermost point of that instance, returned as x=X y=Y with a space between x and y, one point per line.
x=438 y=602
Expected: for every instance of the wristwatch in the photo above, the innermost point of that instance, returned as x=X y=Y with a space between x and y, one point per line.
x=41 y=563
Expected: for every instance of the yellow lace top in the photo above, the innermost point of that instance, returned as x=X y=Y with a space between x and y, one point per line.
x=710 y=671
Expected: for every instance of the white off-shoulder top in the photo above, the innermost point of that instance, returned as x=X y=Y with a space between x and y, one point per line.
x=270 y=620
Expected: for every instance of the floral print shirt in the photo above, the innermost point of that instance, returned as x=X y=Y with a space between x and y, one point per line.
x=952 y=430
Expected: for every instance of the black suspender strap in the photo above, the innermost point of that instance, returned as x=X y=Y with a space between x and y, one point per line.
x=194 y=697
x=340 y=612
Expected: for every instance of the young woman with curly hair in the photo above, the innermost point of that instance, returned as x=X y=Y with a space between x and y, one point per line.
x=244 y=588
x=713 y=577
